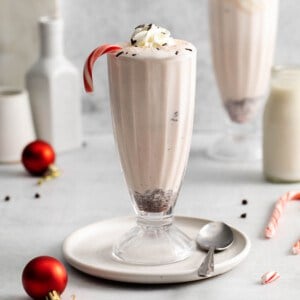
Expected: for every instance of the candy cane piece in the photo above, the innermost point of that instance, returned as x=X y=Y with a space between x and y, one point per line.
x=269 y=277
x=296 y=248
x=89 y=64
x=277 y=212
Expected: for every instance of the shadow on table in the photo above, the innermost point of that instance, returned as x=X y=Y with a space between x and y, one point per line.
x=12 y=171
x=85 y=279
x=205 y=170
x=13 y=297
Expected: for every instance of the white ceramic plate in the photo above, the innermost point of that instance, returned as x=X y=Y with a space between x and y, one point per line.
x=89 y=250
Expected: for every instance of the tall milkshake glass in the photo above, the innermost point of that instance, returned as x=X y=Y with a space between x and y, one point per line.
x=243 y=36
x=152 y=93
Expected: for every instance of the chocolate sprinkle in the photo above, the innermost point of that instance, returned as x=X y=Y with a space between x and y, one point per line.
x=134 y=54
x=126 y=53
x=165 y=44
x=132 y=41
x=140 y=26
x=7 y=198
x=175 y=117
x=244 y=201
x=188 y=49
x=176 y=53
x=120 y=53
x=37 y=195
x=157 y=48
x=149 y=27
x=243 y=216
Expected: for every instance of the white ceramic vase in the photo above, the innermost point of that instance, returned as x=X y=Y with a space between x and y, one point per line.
x=54 y=89
x=16 y=126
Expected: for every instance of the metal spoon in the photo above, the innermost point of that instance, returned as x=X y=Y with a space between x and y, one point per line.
x=214 y=236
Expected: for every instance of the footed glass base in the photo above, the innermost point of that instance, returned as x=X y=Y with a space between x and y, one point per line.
x=153 y=243
x=241 y=142
x=236 y=148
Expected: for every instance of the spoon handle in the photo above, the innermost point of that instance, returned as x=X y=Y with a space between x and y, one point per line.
x=207 y=265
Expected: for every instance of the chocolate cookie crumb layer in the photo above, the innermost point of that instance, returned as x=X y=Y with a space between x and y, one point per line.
x=155 y=201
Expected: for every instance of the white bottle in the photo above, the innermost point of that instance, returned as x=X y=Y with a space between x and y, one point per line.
x=281 y=140
x=53 y=84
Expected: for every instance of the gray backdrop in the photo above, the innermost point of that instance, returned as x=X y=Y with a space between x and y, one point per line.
x=93 y=22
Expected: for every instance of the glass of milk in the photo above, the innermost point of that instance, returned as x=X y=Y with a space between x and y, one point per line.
x=281 y=127
x=243 y=36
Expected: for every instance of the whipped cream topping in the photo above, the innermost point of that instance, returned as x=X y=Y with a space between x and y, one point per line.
x=151 y=36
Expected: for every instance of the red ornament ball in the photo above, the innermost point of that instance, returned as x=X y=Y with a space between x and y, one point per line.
x=37 y=157
x=42 y=275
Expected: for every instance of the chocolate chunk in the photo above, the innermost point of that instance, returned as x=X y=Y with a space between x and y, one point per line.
x=243 y=216
x=244 y=201
x=154 y=201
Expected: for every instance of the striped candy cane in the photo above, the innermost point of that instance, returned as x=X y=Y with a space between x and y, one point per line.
x=88 y=66
x=269 y=277
x=278 y=210
x=296 y=248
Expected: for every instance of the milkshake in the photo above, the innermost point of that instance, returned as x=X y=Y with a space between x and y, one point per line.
x=243 y=37
x=152 y=102
x=152 y=92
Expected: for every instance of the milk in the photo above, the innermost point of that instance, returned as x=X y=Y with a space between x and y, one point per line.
x=281 y=140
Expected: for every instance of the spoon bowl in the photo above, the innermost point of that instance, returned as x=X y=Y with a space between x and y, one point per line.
x=214 y=236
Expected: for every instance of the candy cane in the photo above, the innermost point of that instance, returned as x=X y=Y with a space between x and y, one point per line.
x=296 y=248
x=269 y=277
x=278 y=210
x=88 y=66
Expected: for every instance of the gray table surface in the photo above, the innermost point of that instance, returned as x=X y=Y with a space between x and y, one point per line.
x=92 y=188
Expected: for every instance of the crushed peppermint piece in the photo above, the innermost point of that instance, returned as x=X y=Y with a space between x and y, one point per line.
x=296 y=248
x=120 y=53
x=269 y=277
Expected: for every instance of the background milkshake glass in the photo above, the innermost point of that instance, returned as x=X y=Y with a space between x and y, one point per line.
x=152 y=91
x=243 y=34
